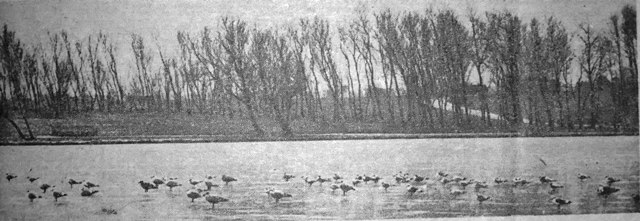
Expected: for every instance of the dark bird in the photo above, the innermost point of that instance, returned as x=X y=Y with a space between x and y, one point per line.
x=385 y=186
x=73 y=182
x=546 y=179
x=457 y=178
x=555 y=186
x=345 y=188
x=545 y=163
x=336 y=177
x=606 y=190
x=277 y=194
x=214 y=199
x=560 y=202
x=375 y=178
x=520 y=181
x=147 y=186
x=445 y=180
x=481 y=198
x=322 y=180
x=287 y=177
x=209 y=183
x=334 y=187
x=636 y=198
x=366 y=178
x=88 y=193
x=610 y=180
x=480 y=185
x=194 y=182
x=31 y=179
x=310 y=182
x=500 y=180
x=193 y=195
x=11 y=176
x=57 y=195
x=358 y=177
x=457 y=192
x=583 y=177
x=158 y=181
x=32 y=196
x=44 y=187
x=356 y=182
x=227 y=179
x=417 y=178
x=90 y=185
x=171 y=184
x=465 y=183
x=442 y=174
x=412 y=189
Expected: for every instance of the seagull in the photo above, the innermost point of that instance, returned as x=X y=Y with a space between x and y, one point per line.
x=57 y=195
x=146 y=186
x=287 y=177
x=214 y=199
x=171 y=184
x=345 y=188
x=606 y=190
x=412 y=189
x=31 y=179
x=87 y=193
x=32 y=196
x=277 y=194
x=481 y=198
x=560 y=202
x=44 y=187
x=227 y=179
x=546 y=179
x=583 y=177
x=73 y=182
x=90 y=185
x=11 y=176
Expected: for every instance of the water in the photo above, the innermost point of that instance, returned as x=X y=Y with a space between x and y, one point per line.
x=118 y=168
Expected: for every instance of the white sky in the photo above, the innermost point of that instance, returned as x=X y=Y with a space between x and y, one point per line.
x=31 y=19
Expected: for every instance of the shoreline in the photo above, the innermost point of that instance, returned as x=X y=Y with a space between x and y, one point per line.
x=151 y=139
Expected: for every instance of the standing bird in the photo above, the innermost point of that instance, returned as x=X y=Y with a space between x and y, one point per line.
x=227 y=179
x=147 y=186
x=194 y=182
x=90 y=185
x=287 y=177
x=73 y=182
x=277 y=194
x=45 y=186
x=519 y=181
x=610 y=180
x=209 y=183
x=583 y=177
x=310 y=182
x=336 y=177
x=375 y=178
x=345 y=188
x=356 y=182
x=606 y=190
x=32 y=196
x=385 y=186
x=157 y=181
x=194 y=194
x=171 y=184
x=481 y=198
x=412 y=189
x=214 y=199
x=31 y=179
x=546 y=179
x=57 y=195
x=11 y=176
x=322 y=180
x=334 y=187
x=87 y=193
x=560 y=202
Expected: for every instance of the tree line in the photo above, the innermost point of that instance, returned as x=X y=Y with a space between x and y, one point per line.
x=400 y=68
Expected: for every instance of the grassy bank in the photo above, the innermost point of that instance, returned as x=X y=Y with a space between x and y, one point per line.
x=163 y=127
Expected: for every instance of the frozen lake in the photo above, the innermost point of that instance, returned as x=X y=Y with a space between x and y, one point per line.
x=118 y=168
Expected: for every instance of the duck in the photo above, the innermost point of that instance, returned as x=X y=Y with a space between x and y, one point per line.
x=610 y=180
x=500 y=180
x=45 y=186
x=606 y=190
x=171 y=184
x=214 y=199
x=31 y=179
x=32 y=196
x=385 y=186
x=194 y=182
x=194 y=194
x=87 y=193
x=336 y=177
x=147 y=186
x=73 y=182
x=560 y=202
x=277 y=194
x=481 y=198
x=546 y=179
x=287 y=177
x=412 y=189
x=583 y=177
x=11 y=176
x=90 y=185
x=57 y=195
x=346 y=188
x=227 y=179
x=310 y=182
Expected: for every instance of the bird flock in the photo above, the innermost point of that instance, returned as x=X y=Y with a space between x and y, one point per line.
x=455 y=184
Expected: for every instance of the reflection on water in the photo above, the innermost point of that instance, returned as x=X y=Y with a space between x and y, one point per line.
x=118 y=168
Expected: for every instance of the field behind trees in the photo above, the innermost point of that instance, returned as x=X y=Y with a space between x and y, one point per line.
x=382 y=72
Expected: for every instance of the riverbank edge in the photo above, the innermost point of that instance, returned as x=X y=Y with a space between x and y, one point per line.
x=51 y=140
